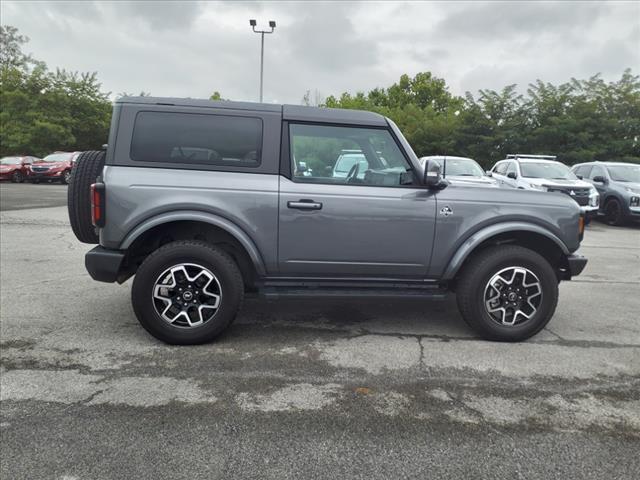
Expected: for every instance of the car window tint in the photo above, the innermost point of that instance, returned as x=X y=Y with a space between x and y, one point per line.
x=501 y=168
x=332 y=154
x=597 y=171
x=197 y=139
x=583 y=170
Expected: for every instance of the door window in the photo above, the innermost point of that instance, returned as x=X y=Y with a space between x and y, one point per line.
x=597 y=171
x=583 y=170
x=512 y=168
x=501 y=168
x=347 y=155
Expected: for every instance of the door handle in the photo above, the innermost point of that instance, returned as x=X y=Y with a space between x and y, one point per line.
x=305 y=205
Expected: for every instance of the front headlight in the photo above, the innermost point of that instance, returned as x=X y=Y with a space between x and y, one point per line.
x=594 y=198
x=538 y=187
x=631 y=190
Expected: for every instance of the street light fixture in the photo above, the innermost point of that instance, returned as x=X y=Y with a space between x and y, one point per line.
x=272 y=25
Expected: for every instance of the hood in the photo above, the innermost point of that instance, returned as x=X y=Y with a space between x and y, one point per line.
x=466 y=180
x=548 y=182
x=635 y=186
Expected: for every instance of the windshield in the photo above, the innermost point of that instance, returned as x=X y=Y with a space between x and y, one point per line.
x=463 y=167
x=555 y=171
x=624 y=173
x=57 y=157
x=345 y=162
x=10 y=160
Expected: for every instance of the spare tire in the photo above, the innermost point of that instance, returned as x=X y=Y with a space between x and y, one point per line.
x=86 y=169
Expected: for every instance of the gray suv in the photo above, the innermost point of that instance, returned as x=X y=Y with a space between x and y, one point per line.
x=204 y=201
x=619 y=187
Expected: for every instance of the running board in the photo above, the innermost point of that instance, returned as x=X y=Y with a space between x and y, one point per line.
x=345 y=289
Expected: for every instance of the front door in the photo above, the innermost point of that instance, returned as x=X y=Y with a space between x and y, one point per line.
x=375 y=221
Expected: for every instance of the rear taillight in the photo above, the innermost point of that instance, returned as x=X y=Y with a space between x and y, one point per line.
x=97 y=204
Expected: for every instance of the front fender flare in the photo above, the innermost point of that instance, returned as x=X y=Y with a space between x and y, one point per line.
x=221 y=222
x=485 y=233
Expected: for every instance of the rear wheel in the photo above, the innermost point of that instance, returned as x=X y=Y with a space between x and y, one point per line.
x=84 y=172
x=507 y=293
x=187 y=292
x=613 y=212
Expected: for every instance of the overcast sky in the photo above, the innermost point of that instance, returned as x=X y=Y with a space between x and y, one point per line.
x=190 y=49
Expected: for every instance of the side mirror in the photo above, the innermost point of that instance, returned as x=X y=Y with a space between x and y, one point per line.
x=512 y=175
x=599 y=179
x=301 y=168
x=489 y=173
x=432 y=176
x=580 y=177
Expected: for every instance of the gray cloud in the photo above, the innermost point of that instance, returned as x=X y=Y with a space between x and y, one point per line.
x=193 y=48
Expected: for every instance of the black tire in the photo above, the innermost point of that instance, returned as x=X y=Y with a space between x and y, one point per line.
x=34 y=181
x=84 y=172
x=613 y=212
x=66 y=177
x=475 y=276
x=203 y=254
x=17 y=177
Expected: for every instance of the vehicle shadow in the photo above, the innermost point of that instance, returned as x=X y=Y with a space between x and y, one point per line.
x=401 y=316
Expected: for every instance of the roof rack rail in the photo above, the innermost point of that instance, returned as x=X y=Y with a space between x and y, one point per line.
x=526 y=155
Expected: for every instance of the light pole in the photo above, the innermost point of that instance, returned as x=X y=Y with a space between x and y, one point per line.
x=253 y=24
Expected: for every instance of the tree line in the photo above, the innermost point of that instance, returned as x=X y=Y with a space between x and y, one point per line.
x=44 y=110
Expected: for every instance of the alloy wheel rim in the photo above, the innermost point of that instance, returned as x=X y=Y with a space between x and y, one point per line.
x=186 y=295
x=513 y=296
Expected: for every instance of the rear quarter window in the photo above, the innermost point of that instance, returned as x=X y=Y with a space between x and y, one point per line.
x=197 y=139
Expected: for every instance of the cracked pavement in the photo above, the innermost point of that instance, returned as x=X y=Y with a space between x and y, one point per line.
x=308 y=388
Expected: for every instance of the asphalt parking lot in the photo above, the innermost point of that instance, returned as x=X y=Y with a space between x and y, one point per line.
x=308 y=389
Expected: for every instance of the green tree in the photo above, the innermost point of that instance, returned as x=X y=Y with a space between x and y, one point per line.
x=43 y=111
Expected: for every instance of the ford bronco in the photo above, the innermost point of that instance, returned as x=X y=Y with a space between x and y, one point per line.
x=204 y=201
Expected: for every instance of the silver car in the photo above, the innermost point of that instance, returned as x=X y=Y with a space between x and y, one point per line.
x=461 y=170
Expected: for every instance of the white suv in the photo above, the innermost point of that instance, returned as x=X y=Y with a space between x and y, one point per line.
x=544 y=173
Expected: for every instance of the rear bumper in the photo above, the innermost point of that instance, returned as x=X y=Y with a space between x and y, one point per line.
x=104 y=265
x=576 y=264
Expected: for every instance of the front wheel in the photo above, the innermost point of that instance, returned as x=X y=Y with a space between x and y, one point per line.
x=613 y=212
x=66 y=177
x=17 y=177
x=187 y=292
x=507 y=293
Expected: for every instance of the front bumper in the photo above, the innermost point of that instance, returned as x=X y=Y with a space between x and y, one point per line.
x=45 y=175
x=105 y=265
x=575 y=265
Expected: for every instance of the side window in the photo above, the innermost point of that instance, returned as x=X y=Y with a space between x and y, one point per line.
x=347 y=155
x=512 y=168
x=501 y=168
x=583 y=170
x=597 y=171
x=200 y=139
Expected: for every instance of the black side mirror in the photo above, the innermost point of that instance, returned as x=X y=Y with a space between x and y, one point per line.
x=432 y=176
x=599 y=179
x=512 y=175
x=580 y=177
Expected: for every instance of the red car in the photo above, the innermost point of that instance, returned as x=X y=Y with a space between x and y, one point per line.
x=54 y=167
x=15 y=169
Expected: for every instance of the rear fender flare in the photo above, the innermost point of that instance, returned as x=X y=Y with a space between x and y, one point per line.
x=220 y=222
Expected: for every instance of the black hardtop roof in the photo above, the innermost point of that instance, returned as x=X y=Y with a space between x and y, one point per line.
x=289 y=112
